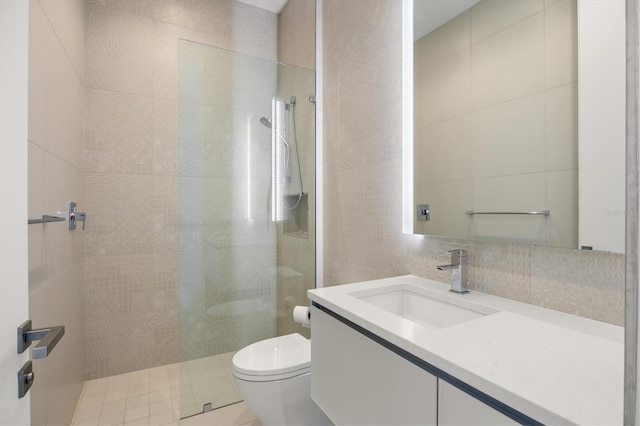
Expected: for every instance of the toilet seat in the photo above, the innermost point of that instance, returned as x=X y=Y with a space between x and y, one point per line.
x=277 y=358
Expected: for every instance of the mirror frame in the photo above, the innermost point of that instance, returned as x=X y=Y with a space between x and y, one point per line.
x=601 y=117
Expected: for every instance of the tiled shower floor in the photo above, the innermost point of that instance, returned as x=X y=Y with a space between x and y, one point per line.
x=162 y=395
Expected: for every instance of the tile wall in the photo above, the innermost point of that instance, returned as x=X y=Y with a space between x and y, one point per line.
x=56 y=117
x=297 y=34
x=496 y=122
x=296 y=77
x=363 y=185
x=296 y=246
x=132 y=172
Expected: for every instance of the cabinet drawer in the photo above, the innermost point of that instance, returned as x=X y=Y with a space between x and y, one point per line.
x=356 y=381
x=458 y=408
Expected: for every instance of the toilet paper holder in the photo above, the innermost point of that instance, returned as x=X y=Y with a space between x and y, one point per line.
x=302 y=315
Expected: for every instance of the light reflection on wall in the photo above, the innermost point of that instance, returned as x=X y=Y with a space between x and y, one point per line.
x=249 y=213
x=277 y=131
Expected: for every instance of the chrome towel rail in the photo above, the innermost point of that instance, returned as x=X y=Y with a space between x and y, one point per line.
x=46 y=219
x=542 y=212
x=73 y=215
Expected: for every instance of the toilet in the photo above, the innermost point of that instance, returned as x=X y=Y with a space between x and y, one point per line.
x=274 y=378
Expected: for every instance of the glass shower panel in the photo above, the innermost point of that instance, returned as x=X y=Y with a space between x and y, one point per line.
x=227 y=240
x=296 y=229
x=242 y=267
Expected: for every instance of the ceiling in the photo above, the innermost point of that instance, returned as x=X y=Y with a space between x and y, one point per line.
x=427 y=14
x=430 y=14
x=274 y=6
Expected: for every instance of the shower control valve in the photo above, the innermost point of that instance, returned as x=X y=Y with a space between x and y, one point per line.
x=423 y=212
x=75 y=215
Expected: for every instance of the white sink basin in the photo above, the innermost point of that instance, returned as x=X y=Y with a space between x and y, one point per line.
x=429 y=309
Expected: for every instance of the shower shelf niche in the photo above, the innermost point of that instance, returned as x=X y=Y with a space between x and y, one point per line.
x=296 y=220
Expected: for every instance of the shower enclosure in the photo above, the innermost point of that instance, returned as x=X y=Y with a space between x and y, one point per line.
x=246 y=226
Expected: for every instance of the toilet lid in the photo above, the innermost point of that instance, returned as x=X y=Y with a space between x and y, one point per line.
x=274 y=356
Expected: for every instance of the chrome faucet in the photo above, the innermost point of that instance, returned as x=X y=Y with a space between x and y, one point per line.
x=458 y=268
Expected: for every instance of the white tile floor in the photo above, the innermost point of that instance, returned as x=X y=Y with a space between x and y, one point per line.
x=163 y=395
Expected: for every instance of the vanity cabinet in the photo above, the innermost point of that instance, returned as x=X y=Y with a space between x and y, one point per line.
x=357 y=381
x=380 y=354
x=457 y=408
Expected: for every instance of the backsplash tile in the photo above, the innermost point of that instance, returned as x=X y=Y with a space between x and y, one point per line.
x=581 y=282
x=501 y=269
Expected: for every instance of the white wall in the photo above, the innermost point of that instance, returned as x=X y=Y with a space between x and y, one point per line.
x=602 y=61
x=14 y=17
x=56 y=133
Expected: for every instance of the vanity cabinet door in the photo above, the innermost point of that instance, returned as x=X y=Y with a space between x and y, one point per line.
x=459 y=408
x=357 y=381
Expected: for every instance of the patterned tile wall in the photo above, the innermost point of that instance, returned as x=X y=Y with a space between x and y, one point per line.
x=132 y=172
x=296 y=251
x=297 y=34
x=296 y=77
x=363 y=181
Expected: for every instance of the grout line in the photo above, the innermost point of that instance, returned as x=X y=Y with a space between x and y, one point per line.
x=66 y=53
x=164 y=373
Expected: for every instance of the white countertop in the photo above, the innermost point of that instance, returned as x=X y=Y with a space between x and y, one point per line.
x=554 y=367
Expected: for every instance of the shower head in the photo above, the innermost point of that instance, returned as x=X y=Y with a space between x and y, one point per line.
x=266 y=122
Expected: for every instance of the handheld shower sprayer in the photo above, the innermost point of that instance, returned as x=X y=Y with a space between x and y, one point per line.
x=265 y=121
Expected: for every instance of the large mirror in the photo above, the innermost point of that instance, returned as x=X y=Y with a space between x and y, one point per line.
x=518 y=121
